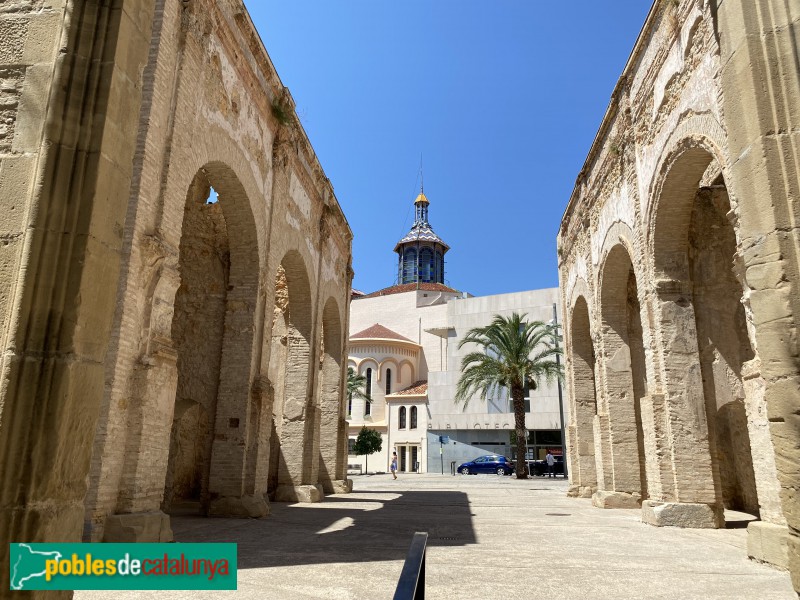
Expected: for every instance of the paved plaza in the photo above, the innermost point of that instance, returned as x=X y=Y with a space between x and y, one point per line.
x=490 y=537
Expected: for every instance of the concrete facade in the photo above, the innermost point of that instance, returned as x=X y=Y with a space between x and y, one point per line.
x=158 y=348
x=678 y=258
x=434 y=321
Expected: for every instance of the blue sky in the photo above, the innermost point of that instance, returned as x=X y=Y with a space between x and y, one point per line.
x=502 y=99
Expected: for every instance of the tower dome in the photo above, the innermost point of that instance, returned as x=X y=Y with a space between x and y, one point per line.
x=421 y=252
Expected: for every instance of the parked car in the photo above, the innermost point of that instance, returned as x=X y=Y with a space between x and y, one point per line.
x=539 y=467
x=491 y=463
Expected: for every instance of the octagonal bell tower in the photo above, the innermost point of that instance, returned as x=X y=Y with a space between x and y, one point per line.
x=421 y=252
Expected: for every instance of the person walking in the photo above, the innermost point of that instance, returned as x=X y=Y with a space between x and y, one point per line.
x=550 y=460
x=393 y=466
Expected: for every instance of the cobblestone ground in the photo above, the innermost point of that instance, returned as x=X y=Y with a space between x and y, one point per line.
x=490 y=537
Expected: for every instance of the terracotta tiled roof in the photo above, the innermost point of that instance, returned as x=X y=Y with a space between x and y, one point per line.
x=379 y=331
x=415 y=389
x=411 y=287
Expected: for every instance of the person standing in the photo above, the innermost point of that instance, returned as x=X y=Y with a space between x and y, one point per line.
x=393 y=466
x=551 y=461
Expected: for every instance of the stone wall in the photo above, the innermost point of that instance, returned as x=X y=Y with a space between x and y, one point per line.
x=135 y=317
x=679 y=277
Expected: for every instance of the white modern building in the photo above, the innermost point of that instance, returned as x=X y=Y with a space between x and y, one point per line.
x=405 y=340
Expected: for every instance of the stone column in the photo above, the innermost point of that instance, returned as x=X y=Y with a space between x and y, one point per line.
x=623 y=489
x=692 y=501
x=761 y=106
x=602 y=452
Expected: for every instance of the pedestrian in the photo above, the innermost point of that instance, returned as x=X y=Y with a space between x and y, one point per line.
x=393 y=466
x=550 y=460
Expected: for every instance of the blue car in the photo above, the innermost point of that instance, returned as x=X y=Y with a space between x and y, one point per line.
x=491 y=463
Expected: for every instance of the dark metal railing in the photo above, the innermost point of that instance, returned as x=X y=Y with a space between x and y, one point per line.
x=412 y=580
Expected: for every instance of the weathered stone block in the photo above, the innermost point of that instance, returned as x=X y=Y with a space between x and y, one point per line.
x=681 y=514
x=306 y=494
x=605 y=499
x=342 y=486
x=138 y=527
x=768 y=543
x=580 y=491
x=246 y=507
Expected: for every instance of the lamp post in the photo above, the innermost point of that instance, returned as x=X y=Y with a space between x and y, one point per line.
x=560 y=397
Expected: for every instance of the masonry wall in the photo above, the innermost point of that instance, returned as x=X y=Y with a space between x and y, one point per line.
x=110 y=120
x=689 y=179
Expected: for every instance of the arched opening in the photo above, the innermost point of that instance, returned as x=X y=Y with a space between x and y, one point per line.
x=413 y=418
x=584 y=471
x=333 y=429
x=212 y=332
x=401 y=419
x=625 y=379
x=368 y=392
x=723 y=344
x=294 y=414
x=705 y=322
x=388 y=381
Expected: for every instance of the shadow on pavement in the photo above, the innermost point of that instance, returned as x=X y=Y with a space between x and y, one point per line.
x=368 y=525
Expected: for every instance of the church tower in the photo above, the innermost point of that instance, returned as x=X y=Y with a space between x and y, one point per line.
x=421 y=252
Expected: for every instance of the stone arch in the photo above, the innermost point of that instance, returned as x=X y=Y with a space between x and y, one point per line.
x=584 y=401
x=705 y=342
x=333 y=429
x=292 y=457
x=618 y=234
x=213 y=332
x=624 y=377
x=579 y=289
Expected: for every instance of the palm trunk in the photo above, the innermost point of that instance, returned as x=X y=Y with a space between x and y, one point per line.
x=518 y=396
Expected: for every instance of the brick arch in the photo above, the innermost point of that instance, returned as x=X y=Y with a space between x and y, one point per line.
x=201 y=340
x=333 y=429
x=583 y=397
x=624 y=380
x=236 y=404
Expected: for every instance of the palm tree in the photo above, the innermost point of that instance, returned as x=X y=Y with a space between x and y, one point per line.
x=514 y=353
x=355 y=385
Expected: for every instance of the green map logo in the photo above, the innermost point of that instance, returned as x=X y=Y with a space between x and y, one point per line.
x=29 y=564
x=122 y=566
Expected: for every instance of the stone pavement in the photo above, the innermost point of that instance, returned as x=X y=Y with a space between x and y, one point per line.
x=490 y=537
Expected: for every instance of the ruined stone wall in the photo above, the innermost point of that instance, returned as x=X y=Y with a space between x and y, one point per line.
x=122 y=309
x=227 y=117
x=669 y=182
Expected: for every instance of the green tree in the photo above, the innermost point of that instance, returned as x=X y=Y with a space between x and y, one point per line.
x=514 y=354
x=355 y=385
x=368 y=442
